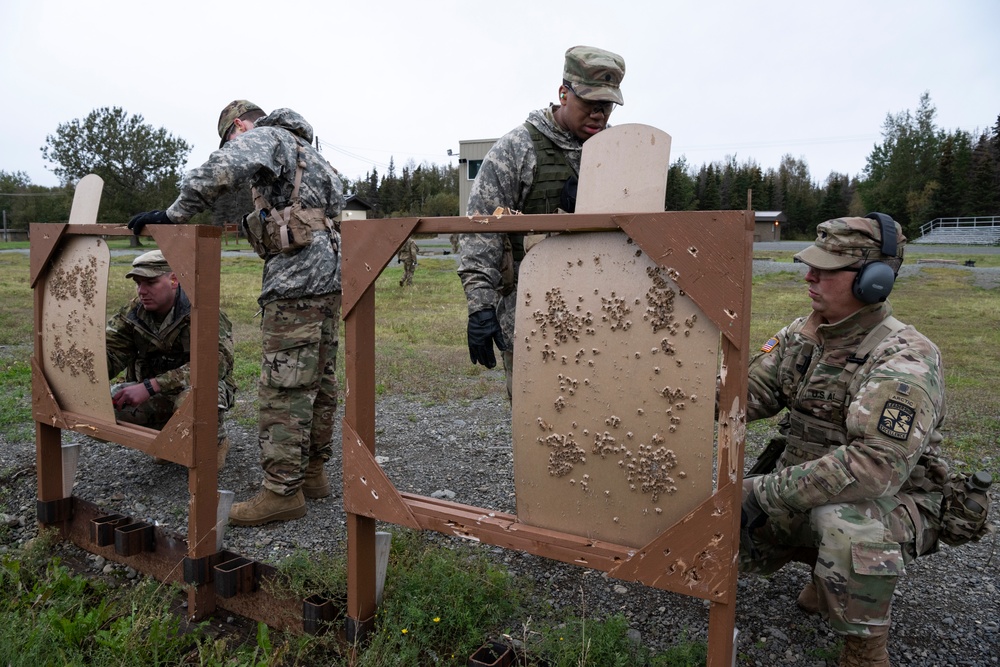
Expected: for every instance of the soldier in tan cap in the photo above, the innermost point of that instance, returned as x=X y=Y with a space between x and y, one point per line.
x=532 y=169
x=150 y=340
x=851 y=486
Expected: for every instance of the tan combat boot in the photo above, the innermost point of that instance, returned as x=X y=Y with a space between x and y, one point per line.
x=315 y=484
x=808 y=599
x=223 y=450
x=268 y=506
x=866 y=651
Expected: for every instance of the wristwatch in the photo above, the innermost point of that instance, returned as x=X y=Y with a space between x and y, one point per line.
x=149 y=387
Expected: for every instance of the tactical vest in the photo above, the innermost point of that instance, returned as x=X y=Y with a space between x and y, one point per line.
x=271 y=231
x=816 y=437
x=551 y=173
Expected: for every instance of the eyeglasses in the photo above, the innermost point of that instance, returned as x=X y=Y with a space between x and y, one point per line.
x=592 y=107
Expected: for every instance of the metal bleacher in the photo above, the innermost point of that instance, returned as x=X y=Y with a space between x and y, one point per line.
x=981 y=230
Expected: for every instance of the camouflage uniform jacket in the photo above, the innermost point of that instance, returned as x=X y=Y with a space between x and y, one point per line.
x=265 y=157
x=145 y=348
x=408 y=253
x=504 y=180
x=866 y=446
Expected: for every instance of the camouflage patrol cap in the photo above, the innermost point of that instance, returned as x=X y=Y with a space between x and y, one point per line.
x=845 y=241
x=594 y=74
x=149 y=265
x=228 y=117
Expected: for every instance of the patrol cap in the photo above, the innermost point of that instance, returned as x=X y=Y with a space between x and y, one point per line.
x=228 y=117
x=594 y=74
x=149 y=265
x=845 y=241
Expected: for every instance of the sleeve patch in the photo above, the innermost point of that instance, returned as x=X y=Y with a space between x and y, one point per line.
x=896 y=420
x=769 y=345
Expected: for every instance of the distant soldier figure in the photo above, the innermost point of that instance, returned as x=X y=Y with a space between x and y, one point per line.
x=150 y=339
x=408 y=258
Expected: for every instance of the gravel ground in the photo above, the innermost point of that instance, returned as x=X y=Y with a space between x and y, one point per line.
x=947 y=606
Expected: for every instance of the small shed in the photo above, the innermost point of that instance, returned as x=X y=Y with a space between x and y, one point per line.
x=767 y=225
x=355 y=208
x=470 y=157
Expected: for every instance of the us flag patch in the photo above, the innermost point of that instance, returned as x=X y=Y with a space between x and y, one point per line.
x=769 y=345
x=896 y=420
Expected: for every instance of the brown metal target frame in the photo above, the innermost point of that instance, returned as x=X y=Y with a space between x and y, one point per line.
x=697 y=556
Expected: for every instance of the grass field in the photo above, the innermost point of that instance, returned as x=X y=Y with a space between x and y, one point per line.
x=420 y=351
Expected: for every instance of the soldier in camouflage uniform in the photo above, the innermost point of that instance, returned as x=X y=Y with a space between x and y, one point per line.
x=865 y=399
x=150 y=339
x=531 y=169
x=295 y=190
x=408 y=258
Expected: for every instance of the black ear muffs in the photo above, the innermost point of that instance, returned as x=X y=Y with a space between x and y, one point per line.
x=875 y=280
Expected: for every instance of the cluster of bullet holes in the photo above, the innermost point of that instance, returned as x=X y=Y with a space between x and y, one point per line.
x=78 y=284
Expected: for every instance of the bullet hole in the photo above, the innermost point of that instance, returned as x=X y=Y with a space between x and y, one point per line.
x=613 y=421
x=73 y=360
x=656 y=370
x=640 y=412
x=659 y=300
x=557 y=319
x=637 y=355
x=651 y=469
x=564 y=454
x=616 y=312
x=693 y=398
x=560 y=404
x=79 y=282
x=693 y=251
x=615 y=519
x=731 y=314
x=579 y=262
x=659 y=510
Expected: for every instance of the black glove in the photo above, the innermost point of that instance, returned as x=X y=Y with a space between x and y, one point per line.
x=140 y=220
x=484 y=329
x=752 y=517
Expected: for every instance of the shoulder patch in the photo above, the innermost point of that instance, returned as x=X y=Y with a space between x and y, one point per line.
x=896 y=419
x=769 y=345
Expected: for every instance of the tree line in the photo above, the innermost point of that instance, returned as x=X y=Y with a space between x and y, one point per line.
x=917 y=173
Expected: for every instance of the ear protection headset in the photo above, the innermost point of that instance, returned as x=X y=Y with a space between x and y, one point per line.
x=874 y=280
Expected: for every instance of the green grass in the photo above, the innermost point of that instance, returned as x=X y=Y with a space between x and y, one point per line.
x=447 y=597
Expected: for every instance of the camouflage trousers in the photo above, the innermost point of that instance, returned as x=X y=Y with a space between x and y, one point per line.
x=157 y=411
x=297 y=390
x=408 y=269
x=860 y=550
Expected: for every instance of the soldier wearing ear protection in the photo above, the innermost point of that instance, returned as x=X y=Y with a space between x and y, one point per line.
x=850 y=485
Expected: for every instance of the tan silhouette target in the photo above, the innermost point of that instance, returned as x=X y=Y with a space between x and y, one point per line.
x=614 y=388
x=74 y=310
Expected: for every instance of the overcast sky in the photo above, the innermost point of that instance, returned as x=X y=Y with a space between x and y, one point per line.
x=410 y=79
